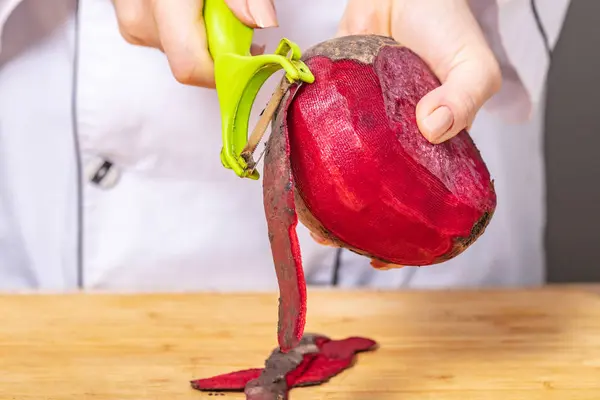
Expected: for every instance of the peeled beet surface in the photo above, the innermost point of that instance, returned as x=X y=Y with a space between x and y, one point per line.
x=346 y=157
x=366 y=173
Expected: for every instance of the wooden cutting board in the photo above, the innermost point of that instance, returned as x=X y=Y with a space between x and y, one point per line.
x=516 y=344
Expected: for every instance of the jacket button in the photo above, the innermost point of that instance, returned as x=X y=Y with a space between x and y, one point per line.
x=102 y=173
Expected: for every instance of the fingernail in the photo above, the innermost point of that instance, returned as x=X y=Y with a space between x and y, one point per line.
x=446 y=136
x=438 y=123
x=263 y=13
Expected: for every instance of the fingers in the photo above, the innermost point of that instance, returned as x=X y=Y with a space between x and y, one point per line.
x=183 y=39
x=384 y=266
x=452 y=107
x=319 y=239
x=177 y=29
x=377 y=264
x=254 y=13
x=136 y=22
x=256 y=49
x=449 y=39
x=447 y=36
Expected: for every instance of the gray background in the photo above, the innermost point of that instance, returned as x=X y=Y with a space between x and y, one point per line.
x=573 y=147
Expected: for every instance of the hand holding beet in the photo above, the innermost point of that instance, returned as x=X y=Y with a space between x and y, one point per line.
x=447 y=37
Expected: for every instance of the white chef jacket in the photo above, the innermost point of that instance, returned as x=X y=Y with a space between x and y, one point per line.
x=77 y=101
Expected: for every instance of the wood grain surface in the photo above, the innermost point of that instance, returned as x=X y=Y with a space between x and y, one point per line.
x=539 y=344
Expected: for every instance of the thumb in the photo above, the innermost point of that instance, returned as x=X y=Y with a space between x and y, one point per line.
x=450 y=108
x=254 y=13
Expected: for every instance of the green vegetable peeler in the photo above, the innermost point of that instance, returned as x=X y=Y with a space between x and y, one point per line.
x=238 y=79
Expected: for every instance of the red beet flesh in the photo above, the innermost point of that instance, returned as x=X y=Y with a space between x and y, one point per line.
x=347 y=156
x=366 y=173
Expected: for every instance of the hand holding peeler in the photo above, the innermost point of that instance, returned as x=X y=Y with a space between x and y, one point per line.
x=239 y=77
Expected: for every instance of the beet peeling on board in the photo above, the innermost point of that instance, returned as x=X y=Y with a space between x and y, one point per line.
x=346 y=157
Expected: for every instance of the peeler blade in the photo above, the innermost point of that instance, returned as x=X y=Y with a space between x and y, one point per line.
x=264 y=121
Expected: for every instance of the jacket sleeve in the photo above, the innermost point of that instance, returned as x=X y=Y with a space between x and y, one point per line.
x=6 y=8
x=515 y=31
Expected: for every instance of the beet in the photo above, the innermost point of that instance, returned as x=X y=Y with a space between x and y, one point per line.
x=346 y=157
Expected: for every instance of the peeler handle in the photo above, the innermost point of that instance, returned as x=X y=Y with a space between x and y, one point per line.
x=239 y=77
x=225 y=33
